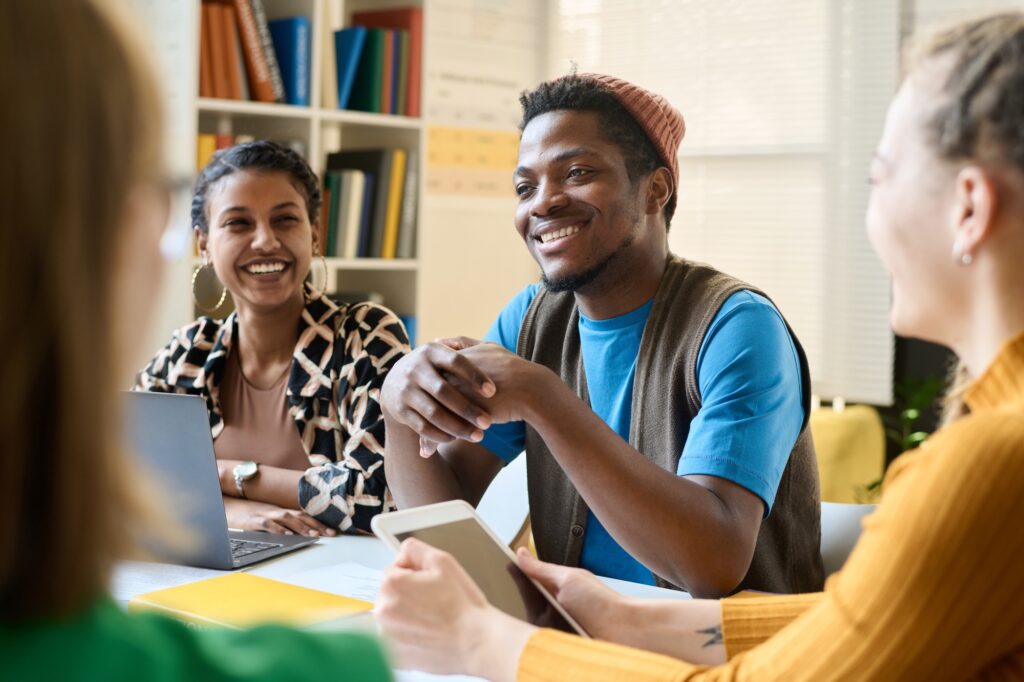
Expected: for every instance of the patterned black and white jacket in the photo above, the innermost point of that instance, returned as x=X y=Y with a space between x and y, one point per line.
x=339 y=365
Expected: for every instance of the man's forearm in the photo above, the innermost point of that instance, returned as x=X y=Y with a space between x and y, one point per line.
x=415 y=480
x=680 y=529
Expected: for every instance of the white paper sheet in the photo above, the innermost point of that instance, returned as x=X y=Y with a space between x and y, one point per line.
x=417 y=676
x=349 y=579
x=132 y=578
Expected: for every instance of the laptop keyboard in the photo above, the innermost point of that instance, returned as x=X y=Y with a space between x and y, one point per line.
x=243 y=548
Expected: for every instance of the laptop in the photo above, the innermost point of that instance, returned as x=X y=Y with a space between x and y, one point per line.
x=170 y=434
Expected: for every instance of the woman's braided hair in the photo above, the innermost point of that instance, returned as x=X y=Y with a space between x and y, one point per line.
x=260 y=155
x=979 y=112
x=980 y=109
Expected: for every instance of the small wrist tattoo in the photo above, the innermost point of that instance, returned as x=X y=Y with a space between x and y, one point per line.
x=714 y=634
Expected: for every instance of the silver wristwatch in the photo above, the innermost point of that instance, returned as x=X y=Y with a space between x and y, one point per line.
x=246 y=471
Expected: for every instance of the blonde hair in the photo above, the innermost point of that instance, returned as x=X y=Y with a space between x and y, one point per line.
x=979 y=112
x=981 y=97
x=82 y=123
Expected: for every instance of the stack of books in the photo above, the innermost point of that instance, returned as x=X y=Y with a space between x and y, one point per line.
x=244 y=56
x=378 y=62
x=369 y=208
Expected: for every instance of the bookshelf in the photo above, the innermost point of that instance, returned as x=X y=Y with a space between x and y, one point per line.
x=469 y=261
x=321 y=130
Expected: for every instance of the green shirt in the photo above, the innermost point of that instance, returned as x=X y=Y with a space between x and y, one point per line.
x=105 y=643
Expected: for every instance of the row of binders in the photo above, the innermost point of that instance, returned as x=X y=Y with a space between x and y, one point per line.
x=369 y=197
x=243 y=55
x=377 y=62
x=374 y=65
x=370 y=200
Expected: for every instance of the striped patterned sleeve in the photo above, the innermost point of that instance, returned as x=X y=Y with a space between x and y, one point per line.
x=160 y=375
x=348 y=492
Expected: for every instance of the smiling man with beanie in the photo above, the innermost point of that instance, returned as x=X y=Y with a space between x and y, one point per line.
x=662 y=404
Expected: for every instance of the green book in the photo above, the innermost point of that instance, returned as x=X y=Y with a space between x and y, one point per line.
x=403 y=74
x=366 y=91
x=334 y=187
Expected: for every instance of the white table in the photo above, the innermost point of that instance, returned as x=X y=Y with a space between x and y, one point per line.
x=369 y=552
x=372 y=553
x=365 y=550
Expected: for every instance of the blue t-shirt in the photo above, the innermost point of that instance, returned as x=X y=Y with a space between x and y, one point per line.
x=748 y=373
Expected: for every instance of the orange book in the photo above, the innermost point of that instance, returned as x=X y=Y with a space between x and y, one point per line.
x=256 y=65
x=205 y=59
x=408 y=19
x=389 y=59
x=228 y=38
x=219 y=52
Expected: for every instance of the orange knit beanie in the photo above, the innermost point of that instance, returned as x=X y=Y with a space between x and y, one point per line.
x=661 y=121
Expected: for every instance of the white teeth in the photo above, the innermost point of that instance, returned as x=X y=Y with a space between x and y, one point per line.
x=558 y=234
x=265 y=268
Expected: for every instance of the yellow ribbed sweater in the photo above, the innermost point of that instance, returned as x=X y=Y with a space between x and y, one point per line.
x=934 y=589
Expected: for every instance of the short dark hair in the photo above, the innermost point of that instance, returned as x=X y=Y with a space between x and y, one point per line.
x=260 y=155
x=574 y=93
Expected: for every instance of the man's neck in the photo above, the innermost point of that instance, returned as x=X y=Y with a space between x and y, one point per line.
x=626 y=284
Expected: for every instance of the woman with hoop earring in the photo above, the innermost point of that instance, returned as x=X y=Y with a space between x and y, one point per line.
x=290 y=378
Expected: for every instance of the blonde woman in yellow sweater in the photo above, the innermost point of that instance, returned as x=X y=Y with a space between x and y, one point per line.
x=935 y=587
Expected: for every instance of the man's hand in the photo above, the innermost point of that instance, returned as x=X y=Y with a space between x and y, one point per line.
x=438 y=393
x=253 y=515
x=515 y=378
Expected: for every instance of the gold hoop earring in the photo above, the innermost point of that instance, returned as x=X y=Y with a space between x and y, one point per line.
x=312 y=280
x=195 y=299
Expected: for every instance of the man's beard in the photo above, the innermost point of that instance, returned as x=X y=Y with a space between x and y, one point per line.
x=577 y=281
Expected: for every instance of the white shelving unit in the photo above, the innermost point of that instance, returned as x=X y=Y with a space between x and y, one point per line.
x=322 y=131
x=476 y=58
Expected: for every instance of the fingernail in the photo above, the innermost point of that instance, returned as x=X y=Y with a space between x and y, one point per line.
x=288 y=532
x=313 y=533
x=476 y=436
x=483 y=422
x=488 y=389
x=424 y=452
x=331 y=532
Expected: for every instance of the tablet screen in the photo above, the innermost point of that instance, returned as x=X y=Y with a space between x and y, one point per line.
x=498 y=577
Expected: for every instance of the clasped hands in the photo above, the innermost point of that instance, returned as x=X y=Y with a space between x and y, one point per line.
x=457 y=388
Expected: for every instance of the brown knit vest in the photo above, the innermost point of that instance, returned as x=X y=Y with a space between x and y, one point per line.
x=787 y=557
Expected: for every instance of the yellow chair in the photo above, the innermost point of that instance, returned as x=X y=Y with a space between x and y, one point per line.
x=850 y=444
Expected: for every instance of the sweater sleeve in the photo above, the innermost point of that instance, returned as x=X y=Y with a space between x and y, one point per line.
x=107 y=644
x=933 y=589
x=750 y=620
x=349 y=492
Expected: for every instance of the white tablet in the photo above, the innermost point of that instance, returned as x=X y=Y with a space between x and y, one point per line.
x=455 y=528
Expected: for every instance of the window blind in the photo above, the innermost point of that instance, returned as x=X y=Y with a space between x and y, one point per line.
x=930 y=12
x=784 y=102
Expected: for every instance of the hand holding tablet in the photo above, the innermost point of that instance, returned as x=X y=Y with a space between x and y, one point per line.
x=455 y=527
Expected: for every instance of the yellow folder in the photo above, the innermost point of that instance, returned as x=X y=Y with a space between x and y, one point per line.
x=240 y=600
